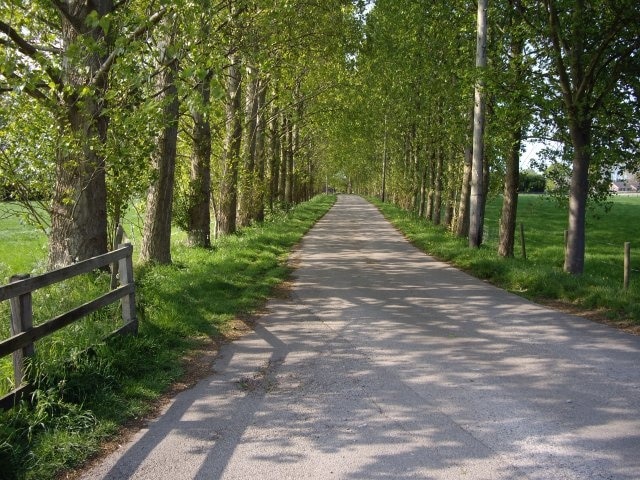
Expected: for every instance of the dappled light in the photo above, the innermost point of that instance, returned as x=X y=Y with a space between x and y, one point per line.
x=385 y=363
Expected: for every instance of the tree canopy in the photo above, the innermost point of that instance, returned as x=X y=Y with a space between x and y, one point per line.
x=210 y=114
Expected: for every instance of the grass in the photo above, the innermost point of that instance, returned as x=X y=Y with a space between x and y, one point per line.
x=540 y=277
x=23 y=247
x=87 y=387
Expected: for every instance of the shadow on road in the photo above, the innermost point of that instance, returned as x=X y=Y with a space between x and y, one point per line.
x=388 y=364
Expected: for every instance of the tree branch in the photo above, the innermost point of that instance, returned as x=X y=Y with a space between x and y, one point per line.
x=29 y=50
x=141 y=30
x=23 y=45
x=64 y=11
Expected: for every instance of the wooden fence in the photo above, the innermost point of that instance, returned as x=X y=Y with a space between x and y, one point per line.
x=23 y=333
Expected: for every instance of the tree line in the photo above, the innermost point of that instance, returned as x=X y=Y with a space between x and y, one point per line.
x=193 y=106
x=232 y=108
x=563 y=72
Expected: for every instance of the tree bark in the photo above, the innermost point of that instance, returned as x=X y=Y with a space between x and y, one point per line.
x=476 y=214
x=462 y=219
x=261 y=126
x=156 y=236
x=512 y=175
x=289 y=177
x=199 y=226
x=284 y=147
x=228 y=204
x=79 y=203
x=579 y=192
x=274 y=155
x=510 y=200
x=437 y=199
x=247 y=183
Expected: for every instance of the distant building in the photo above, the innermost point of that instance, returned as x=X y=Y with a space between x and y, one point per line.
x=626 y=184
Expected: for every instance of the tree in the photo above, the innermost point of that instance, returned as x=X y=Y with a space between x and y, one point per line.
x=477 y=184
x=590 y=49
x=515 y=98
x=156 y=237
x=228 y=203
x=61 y=56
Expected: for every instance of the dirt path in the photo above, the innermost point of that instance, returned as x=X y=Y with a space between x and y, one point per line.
x=385 y=363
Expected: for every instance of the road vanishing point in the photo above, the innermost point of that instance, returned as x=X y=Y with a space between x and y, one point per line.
x=385 y=363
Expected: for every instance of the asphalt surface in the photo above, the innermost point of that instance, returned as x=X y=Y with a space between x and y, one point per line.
x=386 y=363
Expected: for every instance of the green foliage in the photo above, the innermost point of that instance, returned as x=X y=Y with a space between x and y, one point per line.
x=531 y=182
x=540 y=277
x=86 y=386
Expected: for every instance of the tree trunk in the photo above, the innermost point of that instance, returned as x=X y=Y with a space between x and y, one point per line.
x=476 y=214
x=423 y=191
x=228 y=204
x=289 y=177
x=462 y=219
x=284 y=147
x=261 y=126
x=247 y=191
x=510 y=200
x=156 y=236
x=437 y=199
x=274 y=155
x=574 y=255
x=199 y=226
x=432 y=185
x=79 y=203
x=512 y=174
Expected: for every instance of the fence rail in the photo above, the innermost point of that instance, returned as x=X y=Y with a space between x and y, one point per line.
x=23 y=333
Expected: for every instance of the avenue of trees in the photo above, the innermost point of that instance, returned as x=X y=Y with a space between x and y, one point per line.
x=562 y=71
x=191 y=106
x=214 y=112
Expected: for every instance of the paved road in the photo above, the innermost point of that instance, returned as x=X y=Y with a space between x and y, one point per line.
x=388 y=364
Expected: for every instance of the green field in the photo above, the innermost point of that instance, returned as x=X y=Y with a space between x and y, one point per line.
x=540 y=277
x=23 y=247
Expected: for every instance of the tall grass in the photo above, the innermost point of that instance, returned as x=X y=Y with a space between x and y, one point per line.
x=86 y=386
x=540 y=277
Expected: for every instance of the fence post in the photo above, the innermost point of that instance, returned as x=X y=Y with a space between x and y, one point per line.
x=21 y=321
x=116 y=265
x=627 y=264
x=128 y=301
x=524 y=248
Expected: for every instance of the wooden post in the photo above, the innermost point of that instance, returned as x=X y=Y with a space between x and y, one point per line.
x=21 y=321
x=116 y=265
x=524 y=248
x=627 y=264
x=128 y=301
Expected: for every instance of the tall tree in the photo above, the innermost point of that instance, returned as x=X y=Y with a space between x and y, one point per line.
x=592 y=48
x=228 y=203
x=70 y=77
x=476 y=217
x=516 y=105
x=199 y=198
x=156 y=237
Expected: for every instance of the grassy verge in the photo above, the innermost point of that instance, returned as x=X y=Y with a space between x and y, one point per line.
x=87 y=388
x=540 y=278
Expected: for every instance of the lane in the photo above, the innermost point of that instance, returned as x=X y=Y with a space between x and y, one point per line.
x=385 y=363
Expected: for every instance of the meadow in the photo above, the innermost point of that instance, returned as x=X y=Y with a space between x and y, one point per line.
x=86 y=386
x=598 y=292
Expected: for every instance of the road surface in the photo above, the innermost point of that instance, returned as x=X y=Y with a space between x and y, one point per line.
x=386 y=363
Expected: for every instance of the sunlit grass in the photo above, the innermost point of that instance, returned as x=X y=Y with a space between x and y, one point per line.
x=541 y=277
